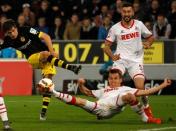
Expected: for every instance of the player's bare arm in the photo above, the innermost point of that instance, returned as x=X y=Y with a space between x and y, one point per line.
x=108 y=51
x=84 y=89
x=152 y=90
x=148 y=43
x=48 y=42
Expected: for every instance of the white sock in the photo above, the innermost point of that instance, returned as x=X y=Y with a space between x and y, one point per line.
x=3 y=111
x=137 y=107
x=90 y=106
x=65 y=97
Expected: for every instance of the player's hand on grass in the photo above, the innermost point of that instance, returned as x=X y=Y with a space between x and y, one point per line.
x=115 y=57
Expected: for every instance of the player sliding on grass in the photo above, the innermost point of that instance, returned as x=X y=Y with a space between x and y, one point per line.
x=111 y=100
x=40 y=55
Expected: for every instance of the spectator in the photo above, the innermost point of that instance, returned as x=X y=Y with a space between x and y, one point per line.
x=95 y=9
x=153 y=10
x=97 y=22
x=8 y=53
x=85 y=32
x=57 y=11
x=45 y=11
x=149 y=25
x=138 y=12
x=28 y=14
x=7 y=10
x=116 y=17
x=104 y=11
x=58 y=30
x=85 y=8
x=103 y=30
x=42 y=25
x=161 y=29
x=21 y=21
x=72 y=30
x=3 y=18
x=172 y=19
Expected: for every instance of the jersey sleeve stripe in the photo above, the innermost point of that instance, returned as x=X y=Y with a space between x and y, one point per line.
x=95 y=106
x=108 y=41
x=40 y=34
x=138 y=75
x=117 y=101
x=149 y=36
x=135 y=93
x=93 y=94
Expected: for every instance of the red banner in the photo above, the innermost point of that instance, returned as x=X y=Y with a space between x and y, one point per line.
x=15 y=77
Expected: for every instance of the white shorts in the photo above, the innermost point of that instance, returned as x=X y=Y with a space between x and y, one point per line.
x=134 y=69
x=108 y=107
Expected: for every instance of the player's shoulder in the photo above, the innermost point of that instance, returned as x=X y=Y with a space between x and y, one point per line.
x=116 y=25
x=24 y=29
x=138 y=22
x=126 y=87
x=29 y=30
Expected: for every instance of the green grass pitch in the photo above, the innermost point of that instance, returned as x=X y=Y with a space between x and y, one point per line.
x=24 y=112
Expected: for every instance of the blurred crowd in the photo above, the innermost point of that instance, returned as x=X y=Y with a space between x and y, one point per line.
x=88 y=19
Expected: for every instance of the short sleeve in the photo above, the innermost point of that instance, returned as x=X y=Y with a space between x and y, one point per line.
x=144 y=31
x=111 y=35
x=33 y=31
x=97 y=93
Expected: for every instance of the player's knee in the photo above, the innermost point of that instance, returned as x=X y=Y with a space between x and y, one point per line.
x=129 y=98
x=139 y=81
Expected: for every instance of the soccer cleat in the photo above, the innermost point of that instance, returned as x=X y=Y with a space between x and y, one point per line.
x=76 y=69
x=42 y=117
x=148 y=111
x=154 y=120
x=6 y=126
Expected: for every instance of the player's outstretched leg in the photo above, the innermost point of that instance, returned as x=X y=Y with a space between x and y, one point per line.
x=138 y=108
x=139 y=84
x=3 y=114
x=60 y=63
x=45 y=104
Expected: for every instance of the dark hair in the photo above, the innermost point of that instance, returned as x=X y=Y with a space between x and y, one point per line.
x=8 y=24
x=127 y=4
x=113 y=71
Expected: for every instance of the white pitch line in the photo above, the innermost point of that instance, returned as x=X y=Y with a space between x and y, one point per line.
x=157 y=129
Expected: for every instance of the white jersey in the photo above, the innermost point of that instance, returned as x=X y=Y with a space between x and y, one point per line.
x=110 y=100
x=111 y=92
x=129 y=41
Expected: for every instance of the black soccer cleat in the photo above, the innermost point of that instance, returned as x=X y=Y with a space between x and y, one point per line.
x=76 y=69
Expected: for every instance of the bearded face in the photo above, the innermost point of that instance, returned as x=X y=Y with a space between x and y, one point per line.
x=127 y=14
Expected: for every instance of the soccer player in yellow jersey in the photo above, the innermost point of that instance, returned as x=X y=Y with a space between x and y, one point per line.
x=40 y=55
